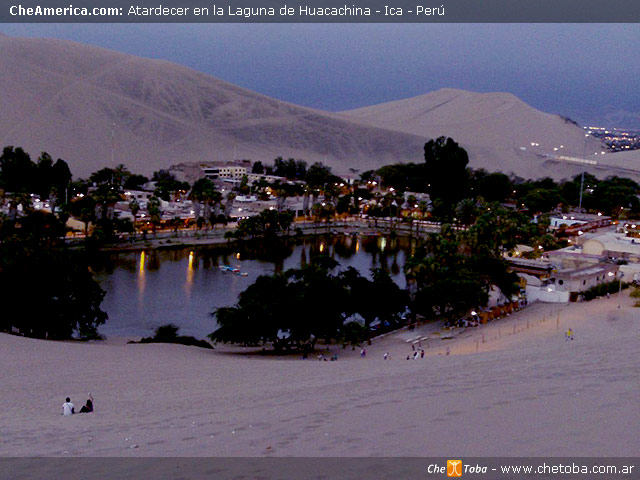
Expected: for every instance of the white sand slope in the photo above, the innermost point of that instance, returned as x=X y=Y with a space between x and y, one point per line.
x=494 y=128
x=95 y=108
x=528 y=393
x=77 y=102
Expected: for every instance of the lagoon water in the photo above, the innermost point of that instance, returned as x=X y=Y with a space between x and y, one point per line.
x=150 y=288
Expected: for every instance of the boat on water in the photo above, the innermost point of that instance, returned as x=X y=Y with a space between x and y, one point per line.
x=236 y=270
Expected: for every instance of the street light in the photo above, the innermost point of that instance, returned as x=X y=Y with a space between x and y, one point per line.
x=620 y=288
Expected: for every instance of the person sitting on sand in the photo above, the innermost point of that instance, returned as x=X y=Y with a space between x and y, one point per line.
x=67 y=407
x=88 y=408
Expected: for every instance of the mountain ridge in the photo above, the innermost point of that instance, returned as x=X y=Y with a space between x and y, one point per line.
x=95 y=107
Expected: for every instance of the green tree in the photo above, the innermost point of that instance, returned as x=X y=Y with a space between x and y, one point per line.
x=167 y=185
x=493 y=187
x=203 y=192
x=447 y=176
x=257 y=167
x=83 y=208
x=293 y=309
x=318 y=175
x=155 y=212
x=70 y=302
x=17 y=171
x=134 y=207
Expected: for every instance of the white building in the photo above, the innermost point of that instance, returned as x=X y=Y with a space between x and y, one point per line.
x=578 y=221
x=566 y=285
x=611 y=245
x=225 y=171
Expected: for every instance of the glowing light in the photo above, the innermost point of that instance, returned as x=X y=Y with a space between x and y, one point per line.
x=142 y=262
x=190 y=273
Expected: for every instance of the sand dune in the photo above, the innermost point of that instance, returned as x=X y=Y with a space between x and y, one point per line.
x=526 y=392
x=79 y=102
x=95 y=108
x=498 y=130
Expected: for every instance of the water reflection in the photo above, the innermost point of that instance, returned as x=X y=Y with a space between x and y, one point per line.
x=183 y=286
x=190 y=273
x=142 y=283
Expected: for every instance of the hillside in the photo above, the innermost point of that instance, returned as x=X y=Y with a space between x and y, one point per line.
x=94 y=108
x=500 y=132
x=79 y=102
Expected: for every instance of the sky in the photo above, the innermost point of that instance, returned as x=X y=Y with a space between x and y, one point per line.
x=587 y=72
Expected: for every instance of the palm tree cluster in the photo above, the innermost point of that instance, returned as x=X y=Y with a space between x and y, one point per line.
x=454 y=270
x=295 y=308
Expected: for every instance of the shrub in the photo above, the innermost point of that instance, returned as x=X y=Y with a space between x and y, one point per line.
x=635 y=293
x=169 y=334
x=602 y=289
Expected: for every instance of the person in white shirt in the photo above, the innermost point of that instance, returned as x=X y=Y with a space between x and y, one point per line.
x=67 y=407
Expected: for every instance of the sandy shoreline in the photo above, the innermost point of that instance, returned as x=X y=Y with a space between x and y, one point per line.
x=528 y=393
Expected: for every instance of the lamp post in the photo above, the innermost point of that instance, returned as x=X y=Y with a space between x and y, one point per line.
x=620 y=288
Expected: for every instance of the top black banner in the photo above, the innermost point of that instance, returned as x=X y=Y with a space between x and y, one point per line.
x=324 y=11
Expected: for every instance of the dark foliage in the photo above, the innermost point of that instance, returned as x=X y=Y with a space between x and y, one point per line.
x=295 y=308
x=48 y=291
x=169 y=334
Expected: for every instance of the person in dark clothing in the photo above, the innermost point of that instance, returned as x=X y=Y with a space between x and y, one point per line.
x=88 y=407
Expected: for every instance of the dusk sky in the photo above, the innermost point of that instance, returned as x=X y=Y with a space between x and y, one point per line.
x=588 y=72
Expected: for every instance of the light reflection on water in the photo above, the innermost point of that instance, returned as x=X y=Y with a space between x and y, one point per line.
x=183 y=286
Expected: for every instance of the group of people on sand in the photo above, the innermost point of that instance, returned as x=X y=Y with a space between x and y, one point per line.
x=322 y=356
x=416 y=354
x=69 y=409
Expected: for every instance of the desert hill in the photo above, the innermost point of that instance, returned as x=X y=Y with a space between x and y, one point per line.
x=80 y=103
x=500 y=132
x=96 y=107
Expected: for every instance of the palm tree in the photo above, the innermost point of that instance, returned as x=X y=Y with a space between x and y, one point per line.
x=134 y=206
x=153 y=207
x=215 y=199
x=84 y=209
x=202 y=192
